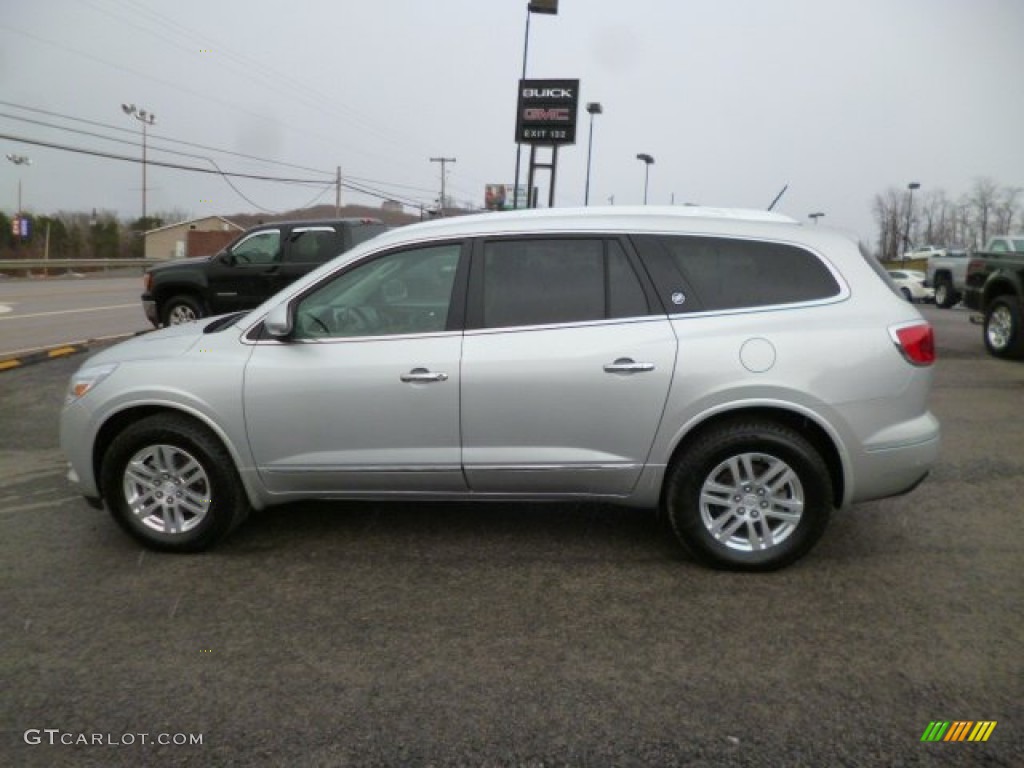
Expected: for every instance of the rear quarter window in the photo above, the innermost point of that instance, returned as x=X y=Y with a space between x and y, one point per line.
x=716 y=273
x=362 y=232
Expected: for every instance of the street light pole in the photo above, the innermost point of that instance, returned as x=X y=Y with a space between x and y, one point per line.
x=19 y=160
x=593 y=108
x=910 y=204
x=648 y=161
x=146 y=118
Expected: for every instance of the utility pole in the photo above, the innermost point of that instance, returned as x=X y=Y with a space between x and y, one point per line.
x=337 y=194
x=444 y=162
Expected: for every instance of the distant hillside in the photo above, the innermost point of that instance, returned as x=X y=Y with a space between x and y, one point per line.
x=391 y=218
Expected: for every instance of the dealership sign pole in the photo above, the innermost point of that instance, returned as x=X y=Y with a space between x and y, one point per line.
x=549 y=8
x=546 y=116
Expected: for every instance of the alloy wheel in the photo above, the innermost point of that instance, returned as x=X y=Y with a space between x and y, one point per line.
x=1000 y=327
x=182 y=313
x=166 y=489
x=752 y=502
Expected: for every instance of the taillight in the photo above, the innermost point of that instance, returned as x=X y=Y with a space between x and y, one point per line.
x=975 y=265
x=916 y=343
x=147 y=282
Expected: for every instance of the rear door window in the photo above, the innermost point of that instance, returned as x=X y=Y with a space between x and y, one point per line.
x=362 y=231
x=312 y=245
x=540 y=281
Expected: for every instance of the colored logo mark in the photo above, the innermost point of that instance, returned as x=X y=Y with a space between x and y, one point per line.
x=958 y=730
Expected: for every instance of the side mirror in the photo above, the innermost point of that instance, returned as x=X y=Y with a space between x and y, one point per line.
x=278 y=322
x=226 y=257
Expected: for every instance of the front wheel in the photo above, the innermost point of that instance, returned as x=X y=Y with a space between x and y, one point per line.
x=749 y=495
x=172 y=485
x=182 y=309
x=1004 y=335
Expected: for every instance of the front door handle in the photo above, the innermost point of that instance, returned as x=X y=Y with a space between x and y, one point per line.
x=627 y=365
x=419 y=375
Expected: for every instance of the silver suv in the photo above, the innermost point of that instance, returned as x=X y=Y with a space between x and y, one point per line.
x=744 y=373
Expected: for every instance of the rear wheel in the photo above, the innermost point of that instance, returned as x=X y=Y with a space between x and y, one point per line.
x=945 y=296
x=172 y=485
x=182 y=309
x=749 y=495
x=1004 y=336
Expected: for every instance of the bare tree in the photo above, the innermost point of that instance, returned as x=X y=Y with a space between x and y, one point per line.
x=939 y=220
x=889 y=212
x=1006 y=209
x=984 y=198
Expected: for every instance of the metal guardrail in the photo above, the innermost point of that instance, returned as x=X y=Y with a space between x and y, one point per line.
x=15 y=265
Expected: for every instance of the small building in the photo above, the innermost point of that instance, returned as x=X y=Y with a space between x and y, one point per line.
x=196 y=237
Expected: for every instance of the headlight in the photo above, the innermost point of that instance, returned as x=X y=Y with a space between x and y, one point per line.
x=85 y=380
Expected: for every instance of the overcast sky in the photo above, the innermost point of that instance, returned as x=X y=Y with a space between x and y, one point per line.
x=734 y=99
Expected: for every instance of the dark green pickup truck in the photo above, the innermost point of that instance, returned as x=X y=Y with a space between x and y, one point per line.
x=995 y=287
x=250 y=270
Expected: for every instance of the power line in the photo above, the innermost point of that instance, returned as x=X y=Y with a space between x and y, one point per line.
x=371 y=191
x=161 y=163
x=215 y=171
x=169 y=140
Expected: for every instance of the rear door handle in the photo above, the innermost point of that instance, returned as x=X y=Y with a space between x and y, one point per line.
x=627 y=365
x=423 y=375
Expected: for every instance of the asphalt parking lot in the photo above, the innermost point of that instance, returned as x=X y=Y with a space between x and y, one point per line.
x=541 y=635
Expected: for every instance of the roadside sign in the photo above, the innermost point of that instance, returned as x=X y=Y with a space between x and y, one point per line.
x=546 y=111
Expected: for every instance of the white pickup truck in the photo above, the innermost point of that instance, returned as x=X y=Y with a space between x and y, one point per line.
x=946 y=273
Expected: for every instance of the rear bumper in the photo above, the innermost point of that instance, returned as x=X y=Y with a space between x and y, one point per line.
x=900 y=463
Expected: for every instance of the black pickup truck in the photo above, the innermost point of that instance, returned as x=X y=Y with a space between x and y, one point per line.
x=255 y=266
x=995 y=287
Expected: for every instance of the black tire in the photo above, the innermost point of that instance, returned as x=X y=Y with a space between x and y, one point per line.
x=704 y=489
x=1004 y=332
x=945 y=296
x=181 y=476
x=181 y=309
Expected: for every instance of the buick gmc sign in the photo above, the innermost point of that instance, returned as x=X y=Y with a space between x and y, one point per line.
x=546 y=112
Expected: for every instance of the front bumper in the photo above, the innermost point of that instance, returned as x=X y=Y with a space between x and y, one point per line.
x=93 y=501
x=149 y=307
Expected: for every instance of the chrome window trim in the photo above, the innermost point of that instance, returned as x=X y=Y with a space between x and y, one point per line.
x=838 y=299
x=348 y=339
x=658 y=318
